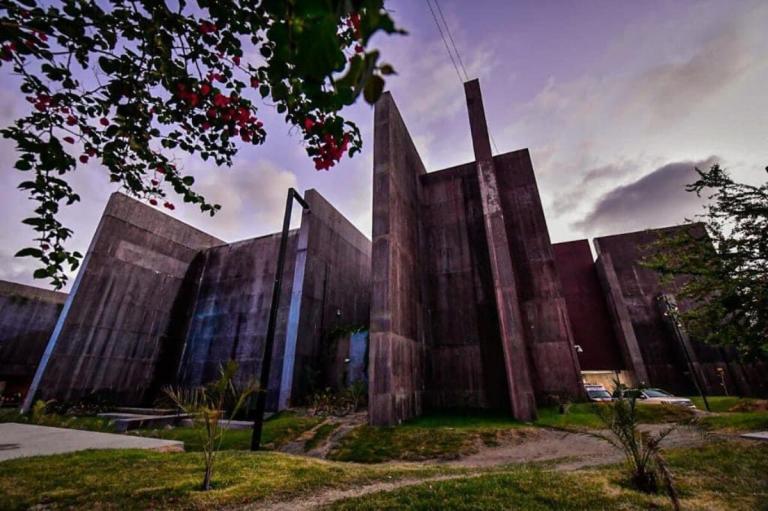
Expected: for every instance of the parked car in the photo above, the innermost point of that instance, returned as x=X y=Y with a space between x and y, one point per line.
x=597 y=393
x=658 y=396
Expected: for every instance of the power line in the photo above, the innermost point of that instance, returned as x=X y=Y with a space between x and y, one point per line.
x=445 y=41
x=465 y=78
x=450 y=36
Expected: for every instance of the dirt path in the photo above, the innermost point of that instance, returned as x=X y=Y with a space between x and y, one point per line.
x=568 y=451
x=579 y=449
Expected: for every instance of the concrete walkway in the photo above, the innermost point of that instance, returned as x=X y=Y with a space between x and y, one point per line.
x=757 y=435
x=23 y=440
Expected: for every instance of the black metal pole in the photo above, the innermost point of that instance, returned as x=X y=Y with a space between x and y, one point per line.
x=269 y=341
x=672 y=311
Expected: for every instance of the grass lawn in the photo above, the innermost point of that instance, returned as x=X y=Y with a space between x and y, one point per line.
x=437 y=435
x=734 y=414
x=278 y=430
x=449 y=435
x=724 y=476
x=134 y=479
x=581 y=416
x=722 y=403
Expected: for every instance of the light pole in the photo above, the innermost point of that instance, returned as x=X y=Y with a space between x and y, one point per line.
x=672 y=312
x=269 y=341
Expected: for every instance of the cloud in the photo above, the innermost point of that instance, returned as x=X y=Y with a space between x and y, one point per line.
x=675 y=89
x=252 y=196
x=655 y=200
x=594 y=179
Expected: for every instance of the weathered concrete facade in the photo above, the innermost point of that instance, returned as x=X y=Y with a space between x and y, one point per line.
x=467 y=307
x=27 y=318
x=158 y=302
x=653 y=348
x=125 y=309
x=587 y=308
x=620 y=324
x=469 y=303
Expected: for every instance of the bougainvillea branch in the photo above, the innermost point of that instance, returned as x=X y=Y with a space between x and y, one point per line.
x=129 y=83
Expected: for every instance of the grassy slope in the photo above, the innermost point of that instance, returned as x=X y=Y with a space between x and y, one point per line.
x=733 y=421
x=723 y=476
x=132 y=479
x=448 y=435
x=443 y=435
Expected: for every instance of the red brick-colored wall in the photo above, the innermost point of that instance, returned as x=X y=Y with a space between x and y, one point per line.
x=587 y=308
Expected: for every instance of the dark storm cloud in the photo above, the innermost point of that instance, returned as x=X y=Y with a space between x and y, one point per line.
x=655 y=200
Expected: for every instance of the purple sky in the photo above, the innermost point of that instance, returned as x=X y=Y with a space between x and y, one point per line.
x=617 y=101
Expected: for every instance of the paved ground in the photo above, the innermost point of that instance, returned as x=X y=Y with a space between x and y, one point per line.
x=22 y=440
x=757 y=435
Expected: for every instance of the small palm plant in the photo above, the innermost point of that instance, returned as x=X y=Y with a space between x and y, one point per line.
x=641 y=449
x=211 y=408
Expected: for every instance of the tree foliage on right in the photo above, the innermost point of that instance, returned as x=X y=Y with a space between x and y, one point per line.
x=726 y=275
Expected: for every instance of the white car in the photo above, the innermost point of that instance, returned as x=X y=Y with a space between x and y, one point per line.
x=658 y=396
x=597 y=393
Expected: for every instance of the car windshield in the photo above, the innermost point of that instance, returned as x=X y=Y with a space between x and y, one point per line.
x=598 y=393
x=657 y=393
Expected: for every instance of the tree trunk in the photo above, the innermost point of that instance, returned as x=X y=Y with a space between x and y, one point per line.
x=207 y=478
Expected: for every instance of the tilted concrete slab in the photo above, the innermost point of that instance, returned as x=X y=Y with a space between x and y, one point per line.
x=25 y=440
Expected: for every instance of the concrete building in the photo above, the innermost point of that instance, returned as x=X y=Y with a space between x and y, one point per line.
x=468 y=303
x=473 y=306
x=467 y=307
x=643 y=345
x=27 y=317
x=158 y=302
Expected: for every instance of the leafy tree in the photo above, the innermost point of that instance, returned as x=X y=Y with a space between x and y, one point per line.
x=211 y=408
x=130 y=83
x=723 y=276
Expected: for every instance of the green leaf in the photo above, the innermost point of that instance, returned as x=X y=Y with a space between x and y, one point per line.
x=30 y=252
x=374 y=87
x=23 y=165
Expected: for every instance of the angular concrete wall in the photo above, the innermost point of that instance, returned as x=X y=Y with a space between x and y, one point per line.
x=158 y=302
x=331 y=293
x=587 y=308
x=27 y=318
x=120 y=319
x=467 y=306
x=465 y=361
x=661 y=352
x=545 y=315
x=505 y=281
x=231 y=311
x=397 y=335
x=620 y=318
